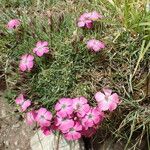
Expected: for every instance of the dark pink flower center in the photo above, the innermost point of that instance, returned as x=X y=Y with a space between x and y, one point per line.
x=22 y=103
x=78 y=106
x=42 y=117
x=25 y=61
x=40 y=48
x=107 y=98
x=72 y=130
x=64 y=119
x=90 y=116
x=63 y=106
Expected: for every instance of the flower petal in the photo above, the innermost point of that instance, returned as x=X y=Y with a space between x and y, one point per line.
x=22 y=67
x=48 y=115
x=114 y=97
x=39 y=53
x=30 y=57
x=99 y=96
x=20 y=99
x=81 y=24
x=107 y=92
x=29 y=65
x=38 y=44
x=45 y=43
x=103 y=105
x=25 y=105
x=30 y=117
x=112 y=106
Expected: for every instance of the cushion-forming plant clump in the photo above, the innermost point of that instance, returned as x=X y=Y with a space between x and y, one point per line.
x=73 y=117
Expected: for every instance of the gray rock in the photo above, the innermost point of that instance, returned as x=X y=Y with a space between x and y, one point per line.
x=52 y=142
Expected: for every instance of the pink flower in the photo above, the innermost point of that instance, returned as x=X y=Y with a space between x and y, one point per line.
x=64 y=107
x=74 y=132
x=14 y=23
x=95 y=45
x=63 y=123
x=92 y=118
x=41 y=48
x=43 y=117
x=108 y=100
x=30 y=117
x=86 y=19
x=46 y=130
x=26 y=62
x=80 y=106
x=21 y=101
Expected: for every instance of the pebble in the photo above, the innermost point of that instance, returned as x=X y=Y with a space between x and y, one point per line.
x=3 y=113
x=6 y=143
x=16 y=143
x=16 y=126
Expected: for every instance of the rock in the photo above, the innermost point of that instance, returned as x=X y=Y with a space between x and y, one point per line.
x=16 y=126
x=3 y=113
x=16 y=143
x=42 y=142
x=6 y=143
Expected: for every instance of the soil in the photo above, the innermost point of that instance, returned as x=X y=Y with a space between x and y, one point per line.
x=14 y=133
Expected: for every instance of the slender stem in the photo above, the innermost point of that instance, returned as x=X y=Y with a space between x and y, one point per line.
x=57 y=145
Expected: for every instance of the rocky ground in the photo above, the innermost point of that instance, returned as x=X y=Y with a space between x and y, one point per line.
x=14 y=133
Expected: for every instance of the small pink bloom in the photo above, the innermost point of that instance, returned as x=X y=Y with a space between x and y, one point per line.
x=21 y=101
x=92 y=118
x=30 y=117
x=74 y=132
x=87 y=19
x=107 y=100
x=26 y=62
x=43 y=117
x=41 y=48
x=46 y=130
x=63 y=123
x=95 y=45
x=64 y=107
x=80 y=106
x=14 y=23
